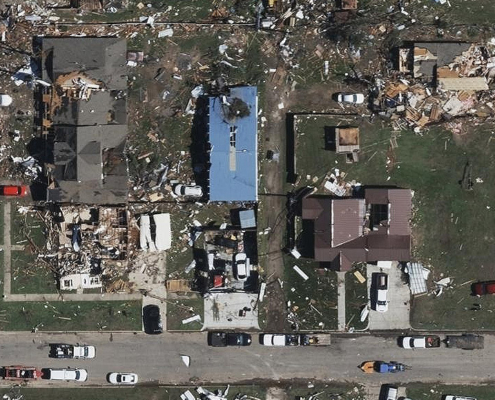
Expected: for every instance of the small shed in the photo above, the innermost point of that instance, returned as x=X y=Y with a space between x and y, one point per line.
x=347 y=142
x=348 y=4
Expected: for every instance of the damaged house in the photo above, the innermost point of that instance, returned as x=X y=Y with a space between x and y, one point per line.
x=450 y=65
x=85 y=119
x=370 y=229
x=233 y=137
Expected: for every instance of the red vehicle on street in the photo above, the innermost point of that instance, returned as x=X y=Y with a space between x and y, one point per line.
x=11 y=190
x=482 y=288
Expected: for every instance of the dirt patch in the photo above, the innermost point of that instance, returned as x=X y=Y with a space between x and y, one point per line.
x=276 y=393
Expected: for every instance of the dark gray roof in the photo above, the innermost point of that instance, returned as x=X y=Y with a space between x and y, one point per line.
x=90 y=165
x=103 y=59
x=443 y=54
x=108 y=107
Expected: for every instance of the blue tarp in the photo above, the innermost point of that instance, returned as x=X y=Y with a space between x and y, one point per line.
x=234 y=146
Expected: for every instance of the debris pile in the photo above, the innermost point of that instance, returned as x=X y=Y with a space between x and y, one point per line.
x=437 y=90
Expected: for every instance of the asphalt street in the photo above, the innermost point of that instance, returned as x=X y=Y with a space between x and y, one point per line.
x=156 y=359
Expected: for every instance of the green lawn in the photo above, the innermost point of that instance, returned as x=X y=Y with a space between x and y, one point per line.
x=134 y=393
x=71 y=316
x=452 y=228
x=180 y=309
x=420 y=391
x=356 y=296
x=314 y=301
x=29 y=275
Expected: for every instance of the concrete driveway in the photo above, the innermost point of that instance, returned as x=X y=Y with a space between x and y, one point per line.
x=399 y=307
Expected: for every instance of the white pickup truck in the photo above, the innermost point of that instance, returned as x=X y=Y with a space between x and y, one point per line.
x=72 y=351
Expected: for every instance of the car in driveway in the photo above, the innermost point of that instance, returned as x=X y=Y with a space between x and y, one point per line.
x=122 y=378
x=482 y=288
x=241 y=266
x=188 y=190
x=224 y=339
x=152 y=320
x=350 y=98
x=451 y=397
x=13 y=190
x=381 y=292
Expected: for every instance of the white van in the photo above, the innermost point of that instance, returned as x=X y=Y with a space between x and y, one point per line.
x=67 y=374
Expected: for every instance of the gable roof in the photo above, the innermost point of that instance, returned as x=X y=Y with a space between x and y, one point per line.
x=81 y=157
x=342 y=233
x=234 y=145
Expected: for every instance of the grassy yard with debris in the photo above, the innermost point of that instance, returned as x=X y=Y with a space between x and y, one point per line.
x=314 y=302
x=451 y=226
x=435 y=392
x=26 y=229
x=29 y=276
x=134 y=393
x=71 y=316
x=179 y=309
x=356 y=296
x=330 y=391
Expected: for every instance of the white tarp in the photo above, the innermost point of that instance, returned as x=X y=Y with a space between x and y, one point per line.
x=417 y=282
x=163 y=237
x=145 y=240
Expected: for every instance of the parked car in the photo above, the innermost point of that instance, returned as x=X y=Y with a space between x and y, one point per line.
x=65 y=374
x=241 y=266
x=391 y=393
x=188 y=190
x=59 y=350
x=450 y=397
x=152 y=320
x=11 y=190
x=351 y=98
x=381 y=292
x=223 y=339
x=5 y=100
x=482 y=288
x=420 y=342
x=122 y=378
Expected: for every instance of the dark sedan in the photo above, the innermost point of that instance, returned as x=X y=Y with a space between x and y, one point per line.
x=224 y=339
x=152 y=320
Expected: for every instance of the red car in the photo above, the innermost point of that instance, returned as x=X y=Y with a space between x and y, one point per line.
x=9 y=190
x=481 y=288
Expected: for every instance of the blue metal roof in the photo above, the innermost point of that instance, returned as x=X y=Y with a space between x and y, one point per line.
x=234 y=147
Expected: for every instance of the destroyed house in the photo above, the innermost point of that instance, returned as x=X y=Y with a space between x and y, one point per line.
x=85 y=118
x=233 y=137
x=370 y=229
x=450 y=65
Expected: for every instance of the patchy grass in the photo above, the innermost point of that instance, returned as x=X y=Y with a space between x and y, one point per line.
x=329 y=391
x=434 y=392
x=1 y=223
x=29 y=276
x=134 y=393
x=314 y=301
x=180 y=309
x=451 y=227
x=356 y=296
x=26 y=229
x=71 y=316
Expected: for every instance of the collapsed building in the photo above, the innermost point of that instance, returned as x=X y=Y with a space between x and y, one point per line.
x=437 y=81
x=84 y=124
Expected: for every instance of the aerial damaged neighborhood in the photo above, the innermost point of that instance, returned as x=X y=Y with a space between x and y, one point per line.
x=247 y=199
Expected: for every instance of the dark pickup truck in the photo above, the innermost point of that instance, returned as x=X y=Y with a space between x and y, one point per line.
x=224 y=339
